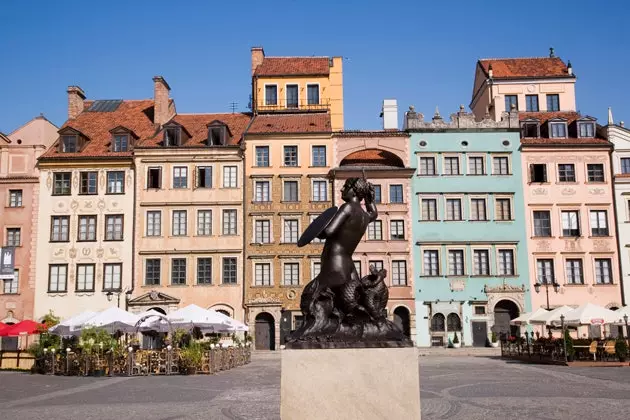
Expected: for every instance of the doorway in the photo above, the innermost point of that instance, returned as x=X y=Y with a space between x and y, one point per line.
x=504 y=312
x=264 y=338
x=401 y=319
x=479 y=333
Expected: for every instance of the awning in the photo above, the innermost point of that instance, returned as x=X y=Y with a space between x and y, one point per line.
x=25 y=327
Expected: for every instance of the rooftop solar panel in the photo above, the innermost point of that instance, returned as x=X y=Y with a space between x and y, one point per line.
x=108 y=105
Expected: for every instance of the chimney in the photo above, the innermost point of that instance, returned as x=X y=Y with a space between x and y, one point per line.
x=390 y=114
x=75 y=101
x=161 y=90
x=258 y=55
x=490 y=73
x=570 y=68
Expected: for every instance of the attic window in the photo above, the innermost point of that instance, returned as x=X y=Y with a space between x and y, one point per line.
x=530 y=129
x=69 y=144
x=557 y=129
x=172 y=136
x=121 y=143
x=217 y=135
x=586 y=129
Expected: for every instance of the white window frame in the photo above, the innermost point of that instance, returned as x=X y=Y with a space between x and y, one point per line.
x=461 y=207
x=255 y=262
x=299 y=272
x=203 y=231
x=514 y=261
x=459 y=164
x=265 y=94
x=284 y=181
x=286 y=98
x=286 y=219
x=435 y=164
x=223 y=214
x=297 y=156
x=488 y=252
x=179 y=225
x=159 y=225
x=313 y=189
x=510 y=200
x=452 y=270
x=228 y=177
x=183 y=175
x=319 y=93
x=470 y=208
x=509 y=164
x=438 y=251
x=255 y=221
x=375 y=230
x=437 y=207
x=113 y=277
x=484 y=164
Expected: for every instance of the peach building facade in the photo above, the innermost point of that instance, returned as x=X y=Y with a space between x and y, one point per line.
x=19 y=195
x=383 y=156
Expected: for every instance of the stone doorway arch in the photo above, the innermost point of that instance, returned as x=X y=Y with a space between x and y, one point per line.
x=402 y=319
x=505 y=310
x=265 y=337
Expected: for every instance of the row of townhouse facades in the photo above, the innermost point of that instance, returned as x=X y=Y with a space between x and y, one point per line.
x=517 y=205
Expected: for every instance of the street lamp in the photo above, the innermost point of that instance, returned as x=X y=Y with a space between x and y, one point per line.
x=556 y=288
x=110 y=296
x=564 y=340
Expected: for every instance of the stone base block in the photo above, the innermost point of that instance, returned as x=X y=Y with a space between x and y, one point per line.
x=350 y=384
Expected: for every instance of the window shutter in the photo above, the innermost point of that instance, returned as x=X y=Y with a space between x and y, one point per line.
x=531 y=173
x=195 y=177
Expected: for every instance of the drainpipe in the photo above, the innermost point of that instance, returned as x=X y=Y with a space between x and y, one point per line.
x=614 y=196
x=133 y=238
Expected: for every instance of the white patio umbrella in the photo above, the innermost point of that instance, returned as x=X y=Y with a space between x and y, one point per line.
x=525 y=319
x=70 y=325
x=548 y=317
x=620 y=314
x=195 y=316
x=113 y=319
x=588 y=314
x=234 y=325
x=153 y=321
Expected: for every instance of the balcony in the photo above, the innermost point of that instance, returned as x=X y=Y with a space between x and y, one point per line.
x=282 y=105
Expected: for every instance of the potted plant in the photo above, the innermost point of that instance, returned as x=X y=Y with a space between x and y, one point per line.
x=621 y=349
x=494 y=342
x=191 y=357
x=569 y=346
x=456 y=343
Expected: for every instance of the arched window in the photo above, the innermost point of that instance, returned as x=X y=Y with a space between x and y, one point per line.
x=437 y=322
x=453 y=323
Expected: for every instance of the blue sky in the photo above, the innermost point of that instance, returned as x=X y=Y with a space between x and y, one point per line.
x=421 y=53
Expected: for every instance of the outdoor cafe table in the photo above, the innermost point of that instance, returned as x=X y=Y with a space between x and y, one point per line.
x=588 y=347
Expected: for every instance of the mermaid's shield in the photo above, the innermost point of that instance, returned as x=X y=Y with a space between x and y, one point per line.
x=317 y=226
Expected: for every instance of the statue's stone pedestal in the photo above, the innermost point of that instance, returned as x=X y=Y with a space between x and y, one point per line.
x=340 y=384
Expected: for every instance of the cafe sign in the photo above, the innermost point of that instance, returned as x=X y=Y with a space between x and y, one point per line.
x=7 y=263
x=597 y=321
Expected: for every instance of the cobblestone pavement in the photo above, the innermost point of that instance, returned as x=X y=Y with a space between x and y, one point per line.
x=451 y=387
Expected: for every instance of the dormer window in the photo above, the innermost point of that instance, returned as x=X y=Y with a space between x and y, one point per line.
x=218 y=134
x=172 y=136
x=69 y=144
x=557 y=129
x=121 y=143
x=530 y=129
x=586 y=129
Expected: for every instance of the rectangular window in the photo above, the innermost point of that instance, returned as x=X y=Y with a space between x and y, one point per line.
x=542 y=223
x=204 y=270
x=557 y=129
x=396 y=230
x=453 y=209
x=500 y=165
x=261 y=191
x=475 y=165
x=456 y=263
x=566 y=172
x=172 y=136
x=480 y=310
x=317 y=268
x=553 y=102
x=603 y=271
x=319 y=156
x=14 y=236
x=396 y=194
x=262 y=156
x=574 y=271
x=511 y=101
x=60 y=229
x=291 y=275
x=570 y=223
x=69 y=144
x=377 y=193
x=503 y=209
x=291 y=232
x=538 y=172
x=229 y=177
x=180 y=177
x=271 y=95
x=478 y=209
x=625 y=165
x=586 y=130
x=290 y=192
x=154 y=178
x=595 y=172
x=312 y=92
x=15 y=198
x=506 y=262
x=114 y=227
x=229 y=222
x=262 y=274
x=115 y=182
x=121 y=143
x=357 y=266
x=204 y=176
x=262 y=231
x=12 y=286
x=431 y=263
x=292 y=96
x=61 y=184
x=152 y=272
x=154 y=223
x=229 y=270
x=427 y=166
x=599 y=223
x=112 y=279
x=399 y=273
x=429 y=209
x=87 y=228
x=58 y=278
x=451 y=166
x=320 y=190
x=180 y=219
x=178 y=271
x=530 y=129
x=204 y=222
x=88 y=183
x=376 y=264
x=375 y=231
x=290 y=156
x=531 y=103
x=481 y=262
x=545 y=270
x=85 y=278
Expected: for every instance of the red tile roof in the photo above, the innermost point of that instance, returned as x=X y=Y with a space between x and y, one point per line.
x=372 y=157
x=384 y=133
x=197 y=126
x=135 y=115
x=516 y=68
x=293 y=66
x=570 y=117
x=290 y=123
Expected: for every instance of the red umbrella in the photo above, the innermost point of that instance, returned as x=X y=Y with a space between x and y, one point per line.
x=24 y=327
x=3 y=326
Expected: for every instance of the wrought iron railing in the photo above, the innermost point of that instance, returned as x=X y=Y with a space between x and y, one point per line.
x=282 y=105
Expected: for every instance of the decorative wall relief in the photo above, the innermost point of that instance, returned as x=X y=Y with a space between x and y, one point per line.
x=72 y=253
x=49 y=181
x=543 y=245
x=59 y=253
x=572 y=245
x=100 y=252
x=102 y=178
x=457 y=285
x=113 y=253
x=75 y=180
x=74 y=205
x=88 y=204
x=601 y=245
x=129 y=179
x=568 y=191
x=291 y=294
x=539 y=191
x=86 y=252
x=597 y=191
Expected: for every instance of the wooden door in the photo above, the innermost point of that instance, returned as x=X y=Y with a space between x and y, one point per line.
x=480 y=333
